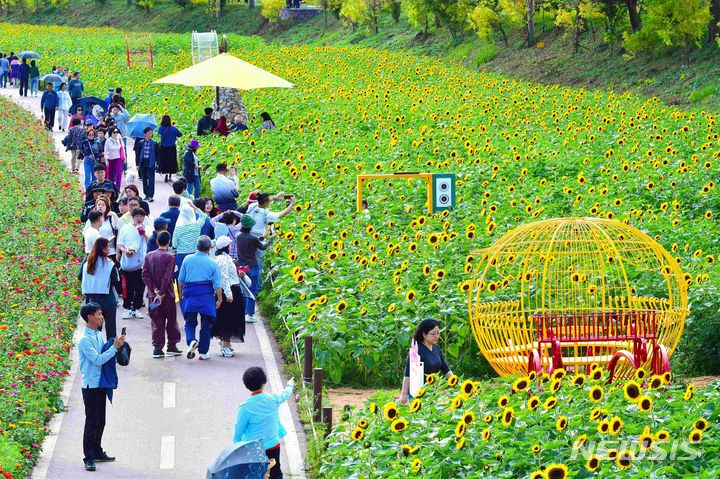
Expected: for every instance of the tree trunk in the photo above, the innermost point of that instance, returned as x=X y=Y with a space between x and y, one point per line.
x=531 y=23
x=634 y=16
x=576 y=46
x=251 y=3
x=714 y=28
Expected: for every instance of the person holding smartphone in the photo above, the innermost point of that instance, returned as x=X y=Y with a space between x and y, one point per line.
x=224 y=189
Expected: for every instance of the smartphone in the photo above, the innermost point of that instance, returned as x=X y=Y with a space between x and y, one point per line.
x=288 y=197
x=154 y=304
x=124 y=330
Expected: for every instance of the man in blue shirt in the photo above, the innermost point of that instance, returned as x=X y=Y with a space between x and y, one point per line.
x=200 y=288
x=24 y=77
x=4 y=70
x=75 y=87
x=48 y=103
x=92 y=358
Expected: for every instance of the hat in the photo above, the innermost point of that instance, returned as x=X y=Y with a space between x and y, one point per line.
x=252 y=198
x=194 y=144
x=223 y=242
x=160 y=222
x=247 y=221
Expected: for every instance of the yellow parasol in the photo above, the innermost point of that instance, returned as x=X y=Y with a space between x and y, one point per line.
x=226 y=71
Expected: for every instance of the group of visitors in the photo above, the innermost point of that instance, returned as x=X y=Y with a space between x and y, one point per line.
x=19 y=73
x=208 y=125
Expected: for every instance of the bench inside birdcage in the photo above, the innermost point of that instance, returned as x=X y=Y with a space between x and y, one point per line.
x=579 y=339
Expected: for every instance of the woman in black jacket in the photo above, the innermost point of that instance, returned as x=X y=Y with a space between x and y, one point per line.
x=191 y=168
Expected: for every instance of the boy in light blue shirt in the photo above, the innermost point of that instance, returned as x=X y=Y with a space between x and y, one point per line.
x=258 y=417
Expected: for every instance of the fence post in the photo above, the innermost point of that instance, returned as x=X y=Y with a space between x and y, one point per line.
x=327 y=413
x=317 y=394
x=308 y=352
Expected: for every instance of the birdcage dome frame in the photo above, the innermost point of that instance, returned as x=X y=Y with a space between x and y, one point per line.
x=575 y=292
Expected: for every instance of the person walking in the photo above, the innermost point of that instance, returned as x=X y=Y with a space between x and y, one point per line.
x=169 y=135
x=90 y=150
x=101 y=181
x=34 y=78
x=247 y=247
x=24 y=75
x=100 y=283
x=230 y=321
x=4 y=70
x=427 y=336
x=199 y=286
x=76 y=87
x=258 y=417
x=121 y=117
x=92 y=230
x=191 y=168
x=148 y=150
x=64 y=104
x=224 y=189
x=132 y=244
x=115 y=157
x=157 y=273
x=14 y=70
x=95 y=354
x=108 y=228
x=48 y=104
x=76 y=133
x=188 y=229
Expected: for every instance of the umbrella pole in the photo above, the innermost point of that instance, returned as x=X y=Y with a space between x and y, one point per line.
x=223 y=49
x=217 y=98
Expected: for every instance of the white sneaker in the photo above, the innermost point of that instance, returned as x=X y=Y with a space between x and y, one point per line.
x=127 y=314
x=191 y=350
x=225 y=353
x=250 y=318
x=203 y=357
x=137 y=315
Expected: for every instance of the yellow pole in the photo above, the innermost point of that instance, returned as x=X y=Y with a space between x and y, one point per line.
x=428 y=180
x=359 y=193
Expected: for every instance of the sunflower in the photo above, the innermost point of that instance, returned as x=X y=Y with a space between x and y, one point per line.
x=358 y=434
x=410 y=295
x=507 y=416
x=416 y=466
x=434 y=285
x=373 y=407
x=457 y=402
x=646 y=441
x=633 y=392
x=486 y=434
x=624 y=458
x=550 y=403
x=616 y=425
x=689 y=392
x=655 y=382
x=645 y=403
x=460 y=443
x=467 y=387
x=700 y=424
x=596 y=374
x=430 y=379
x=580 y=441
x=469 y=417
x=432 y=239
x=640 y=373
x=667 y=377
x=532 y=376
x=487 y=418
x=536 y=449
x=452 y=380
x=662 y=435
x=341 y=306
x=460 y=428
x=556 y=385
x=561 y=423
x=596 y=393
x=363 y=424
x=390 y=411
x=695 y=436
x=503 y=401
x=399 y=425
x=405 y=450
x=593 y=463
x=420 y=393
x=415 y=405
x=521 y=384
x=533 y=403
x=579 y=380
x=556 y=471
x=596 y=413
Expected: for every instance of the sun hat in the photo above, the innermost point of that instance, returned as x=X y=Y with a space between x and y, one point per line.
x=252 y=198
x=194 y=144
x=247 y=221
x=223 y=242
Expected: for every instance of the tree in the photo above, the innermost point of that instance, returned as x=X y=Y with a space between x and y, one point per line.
x=491 y=15
x=363 y=12
x=714 y=29
x=395 y=10
x=147 y=5
x=635 y=22
x=419 y=14
x=451 y=13
x=520 y=12
x=183 y=3
x=670 y=24
x=575 y=15
x=270 y=9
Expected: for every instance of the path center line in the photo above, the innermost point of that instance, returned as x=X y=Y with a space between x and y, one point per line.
x=167 y=452
x=169 y=395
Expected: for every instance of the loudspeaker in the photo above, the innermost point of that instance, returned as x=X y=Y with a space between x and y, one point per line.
x=443 y=191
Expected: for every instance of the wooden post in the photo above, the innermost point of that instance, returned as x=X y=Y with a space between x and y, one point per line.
x=223 y=49
x=308 y=353
x=327 y=419
x=317 y=394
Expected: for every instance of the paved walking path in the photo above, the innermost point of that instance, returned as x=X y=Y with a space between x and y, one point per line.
x=170 y=417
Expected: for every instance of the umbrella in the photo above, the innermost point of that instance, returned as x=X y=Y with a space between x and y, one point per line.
x=138 y=123
x=28 y=54
x=227 y=71
x=85 y=103
x=52 y=78
x=244 y=460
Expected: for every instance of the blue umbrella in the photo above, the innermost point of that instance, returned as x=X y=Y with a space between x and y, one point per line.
x=244 y=460
x=28 y=54
x=138 y=123
x=52 y=78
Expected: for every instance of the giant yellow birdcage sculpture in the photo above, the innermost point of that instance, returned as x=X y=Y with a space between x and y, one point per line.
x=576 y=291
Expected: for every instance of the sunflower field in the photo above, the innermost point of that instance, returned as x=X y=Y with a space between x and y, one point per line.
x=359 y=282
x=546 y=427
x=38 y=266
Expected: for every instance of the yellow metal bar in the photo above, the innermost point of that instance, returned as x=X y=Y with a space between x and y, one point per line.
x=427 y=177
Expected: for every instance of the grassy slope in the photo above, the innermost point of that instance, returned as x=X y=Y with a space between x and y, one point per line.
x=598 y=65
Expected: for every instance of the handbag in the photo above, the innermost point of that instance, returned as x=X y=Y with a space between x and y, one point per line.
x=123 y=355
